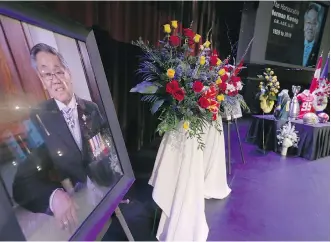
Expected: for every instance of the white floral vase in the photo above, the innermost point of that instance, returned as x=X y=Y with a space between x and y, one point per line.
x=286 y=144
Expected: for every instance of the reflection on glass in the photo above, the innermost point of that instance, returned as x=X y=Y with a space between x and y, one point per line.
x=58 y=158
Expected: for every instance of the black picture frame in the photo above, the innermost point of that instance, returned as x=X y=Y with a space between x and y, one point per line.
x=39 y=16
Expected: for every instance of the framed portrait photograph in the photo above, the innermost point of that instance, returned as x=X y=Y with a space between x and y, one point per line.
x=64 y=167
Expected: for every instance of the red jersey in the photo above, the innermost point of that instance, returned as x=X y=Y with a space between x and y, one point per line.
x=306 y=103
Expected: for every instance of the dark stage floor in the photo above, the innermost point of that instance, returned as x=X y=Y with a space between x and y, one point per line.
x=272 y=198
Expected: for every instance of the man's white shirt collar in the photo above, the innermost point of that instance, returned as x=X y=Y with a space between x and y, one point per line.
x=72 y=103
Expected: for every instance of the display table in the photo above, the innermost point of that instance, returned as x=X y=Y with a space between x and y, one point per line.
x=314 y=139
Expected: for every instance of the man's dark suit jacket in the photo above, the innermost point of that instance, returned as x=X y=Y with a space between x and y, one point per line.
x=296 y=51
x=59 y=159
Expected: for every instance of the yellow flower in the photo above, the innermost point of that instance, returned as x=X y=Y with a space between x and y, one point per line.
x=171 y=73
x=186 y=125
x=220 y=98
x=202 y=60
x=272 y=94
x=271 y=73
x=218 y=81
x=174 y=24
x=218 y=61
x=206 y=44
x=268 y=69
x=267 y=77
x=196 y=38
x=276 y=91
x=274 y=77
x=277 y=83
x=221 y=72
x=261 y=83
x=167 y=28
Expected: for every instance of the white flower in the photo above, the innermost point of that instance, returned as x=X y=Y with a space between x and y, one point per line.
x=288 y=132
x=230 y=87
x=239 y=86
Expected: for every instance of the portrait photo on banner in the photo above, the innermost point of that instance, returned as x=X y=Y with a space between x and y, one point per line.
x=58 y=159
x=295 y=32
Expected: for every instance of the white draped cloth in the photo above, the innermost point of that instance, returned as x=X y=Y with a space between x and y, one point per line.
x=183 y=176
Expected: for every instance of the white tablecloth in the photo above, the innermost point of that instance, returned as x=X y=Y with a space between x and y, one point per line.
x=182 y=178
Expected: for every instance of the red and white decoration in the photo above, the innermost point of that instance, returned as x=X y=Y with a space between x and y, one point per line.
x=322 y=91
x=317 y=74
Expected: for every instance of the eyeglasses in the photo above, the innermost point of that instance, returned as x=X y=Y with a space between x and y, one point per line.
x=48 y=76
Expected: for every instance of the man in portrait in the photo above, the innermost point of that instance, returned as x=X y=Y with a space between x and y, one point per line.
x=304 y=47
x=69 y=126
x=312 y=24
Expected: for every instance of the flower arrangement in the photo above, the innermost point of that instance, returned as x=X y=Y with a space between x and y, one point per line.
x=185 y=80
x=287 y=135
x=268 y=90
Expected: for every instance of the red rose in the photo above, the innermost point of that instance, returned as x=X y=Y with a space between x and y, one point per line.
x=174 y=40
x=222 y=86
x=233 y=93
x=179 y=94
x=214 y=116
x=189 y=33
x=224 y=78
x=203 y=102
x=172 y=86
x=213 y=60
x=191 y=43
x=197 y=86
x=235 y=80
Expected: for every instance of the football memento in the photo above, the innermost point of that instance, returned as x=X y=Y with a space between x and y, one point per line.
x=310 y=118
x=294 y=106
x=305 y=100
x=283 y=106
x=323 y=117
